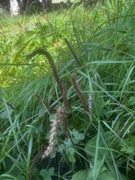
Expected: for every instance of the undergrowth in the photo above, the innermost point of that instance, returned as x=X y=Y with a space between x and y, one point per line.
x=81 y=59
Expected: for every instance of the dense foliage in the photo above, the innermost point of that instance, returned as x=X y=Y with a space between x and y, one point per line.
x=82 y=58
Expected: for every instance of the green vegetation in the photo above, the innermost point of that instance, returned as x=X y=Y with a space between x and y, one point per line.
x=93 y=79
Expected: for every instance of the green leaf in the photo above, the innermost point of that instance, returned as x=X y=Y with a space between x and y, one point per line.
x=46 y=174
x=129 y=145
x=7 y=177
x=80 y=175
x=51 y=171
x=131 y=101
x=71 y=157
x=90 y=147
x=106 y=175
x=109 y=176
x=21 y=177
x=4 y=114
x=25 y=38
x=51 y=117
x=96 y=170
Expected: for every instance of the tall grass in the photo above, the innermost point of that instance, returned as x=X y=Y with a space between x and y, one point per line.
x=101 y=143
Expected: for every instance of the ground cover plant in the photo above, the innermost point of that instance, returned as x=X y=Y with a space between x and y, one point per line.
x=67 y=94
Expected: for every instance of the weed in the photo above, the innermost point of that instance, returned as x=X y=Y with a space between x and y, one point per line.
x=74 y=70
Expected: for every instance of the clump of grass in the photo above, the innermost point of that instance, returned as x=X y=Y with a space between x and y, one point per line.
x=100 y=52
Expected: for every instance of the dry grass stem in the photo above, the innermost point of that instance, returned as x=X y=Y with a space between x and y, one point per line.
x=60 y=116
x=51 y=62
x=73 y=53
x=90 y=104
x=66 y=104
x=77 y=89
x=64 y=95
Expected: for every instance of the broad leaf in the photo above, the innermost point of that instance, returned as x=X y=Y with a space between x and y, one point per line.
x=80 y=175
